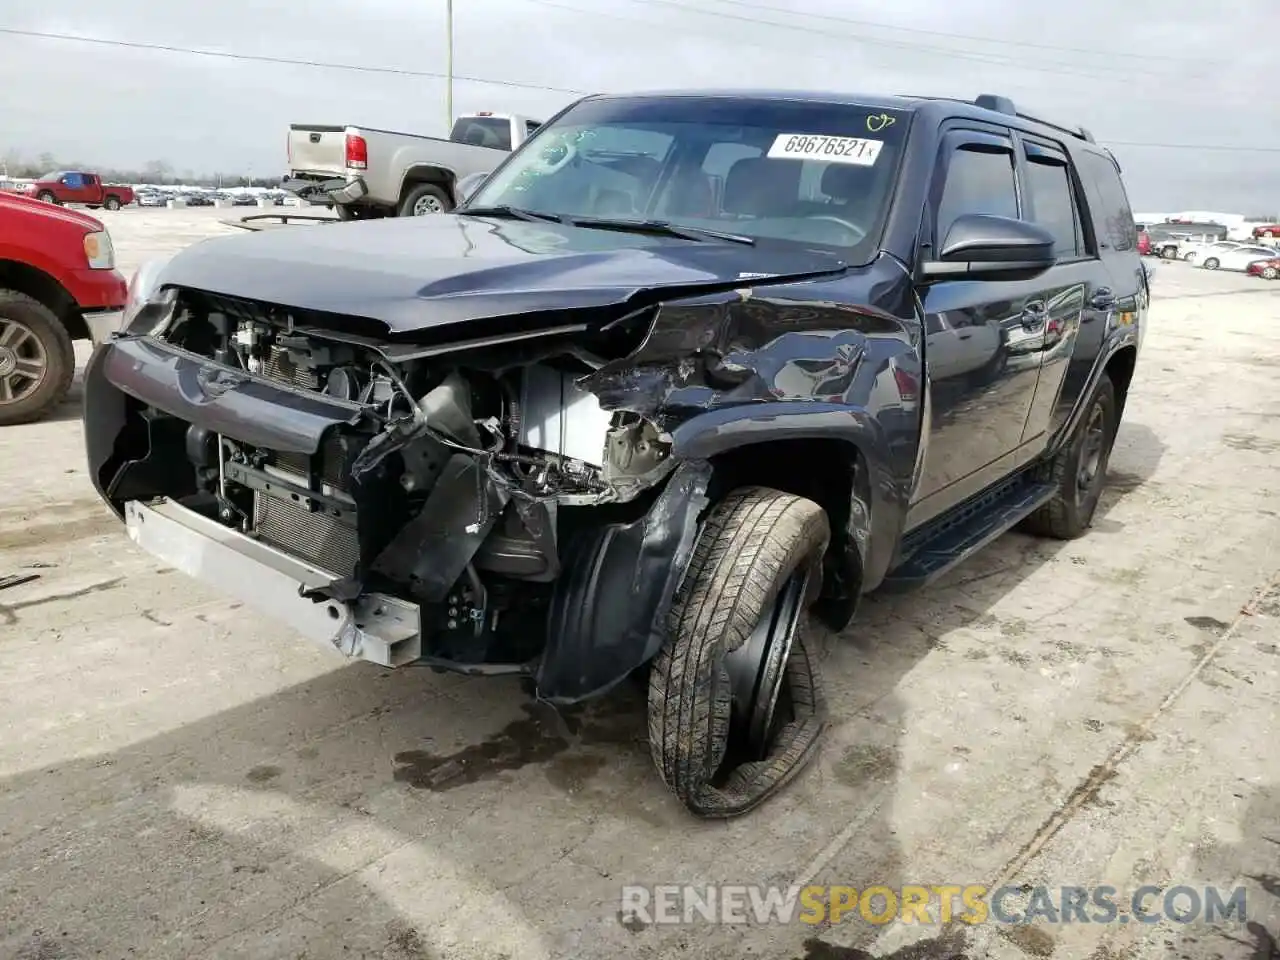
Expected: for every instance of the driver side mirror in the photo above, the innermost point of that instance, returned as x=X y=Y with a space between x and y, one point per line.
x=983 y=247
x=468 y=185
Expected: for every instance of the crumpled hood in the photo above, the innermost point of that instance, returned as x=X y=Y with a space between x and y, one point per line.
x=415 y=273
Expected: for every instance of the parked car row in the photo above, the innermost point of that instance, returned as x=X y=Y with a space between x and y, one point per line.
x=153 y=197
x=1255 y=259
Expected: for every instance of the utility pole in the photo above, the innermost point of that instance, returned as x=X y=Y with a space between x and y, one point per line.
x=448 y=95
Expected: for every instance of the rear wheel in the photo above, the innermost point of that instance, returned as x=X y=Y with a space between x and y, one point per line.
x=37 y=360
x=1270 y=273
x=734 y=707
x=111 y=203
x=1211 y=263
x=425 y=199
x=1080 y=470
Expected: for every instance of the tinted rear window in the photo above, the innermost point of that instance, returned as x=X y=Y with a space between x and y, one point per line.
x=494 y=132
x=1112 y=215
x=1053 y=203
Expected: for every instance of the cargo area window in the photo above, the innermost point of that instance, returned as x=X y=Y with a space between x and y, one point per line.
x=1112 y=215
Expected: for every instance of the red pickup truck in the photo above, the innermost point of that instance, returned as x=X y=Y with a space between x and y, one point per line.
x=74 y=186
x=58 y=283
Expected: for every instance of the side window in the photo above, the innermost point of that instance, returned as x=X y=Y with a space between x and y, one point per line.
x=1053 y=205
x=1113 y=216
x=979 y=180
x=530 y=126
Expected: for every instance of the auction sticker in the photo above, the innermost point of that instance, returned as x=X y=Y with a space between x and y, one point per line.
x=809 y=146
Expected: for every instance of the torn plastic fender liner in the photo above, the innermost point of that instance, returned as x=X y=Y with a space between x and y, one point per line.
x=609 y=612
x=240 y=406
x=433 y=549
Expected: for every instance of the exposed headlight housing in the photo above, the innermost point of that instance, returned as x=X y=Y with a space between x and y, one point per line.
x=149 y=308
x=99 y=251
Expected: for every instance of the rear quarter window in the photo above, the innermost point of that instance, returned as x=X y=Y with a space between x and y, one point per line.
x=1108 y=202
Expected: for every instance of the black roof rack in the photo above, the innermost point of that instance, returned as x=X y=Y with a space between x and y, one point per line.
x=990 y=101
x=999 y=104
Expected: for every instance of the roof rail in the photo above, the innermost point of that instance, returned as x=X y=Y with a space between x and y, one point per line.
x=999 y=104
x=991 y=101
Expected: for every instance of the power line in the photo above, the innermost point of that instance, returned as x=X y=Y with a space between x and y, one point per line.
x=288 y=61
x=946 y=34
x=1002 y=60
x=396 y=71
x=810 y=58
x=1228 y=147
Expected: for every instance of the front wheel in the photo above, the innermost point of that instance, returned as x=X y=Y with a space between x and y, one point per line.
x=735 y=712
x=1079 y=471
x=46 y=196
x=1270 y=273
x=37 y=359
x=1211 y=263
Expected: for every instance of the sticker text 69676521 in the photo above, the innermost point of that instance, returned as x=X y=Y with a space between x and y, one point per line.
x=810 y=146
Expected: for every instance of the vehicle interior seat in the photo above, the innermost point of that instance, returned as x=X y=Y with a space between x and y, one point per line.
x=850 y=189
x=762 y=187
x=690 y=195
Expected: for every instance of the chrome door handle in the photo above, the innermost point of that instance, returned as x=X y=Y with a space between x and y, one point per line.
x=1034 y=315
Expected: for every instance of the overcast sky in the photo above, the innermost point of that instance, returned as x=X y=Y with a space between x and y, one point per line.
x=1150 y=71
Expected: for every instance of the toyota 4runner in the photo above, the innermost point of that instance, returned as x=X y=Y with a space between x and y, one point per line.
x=685 y=372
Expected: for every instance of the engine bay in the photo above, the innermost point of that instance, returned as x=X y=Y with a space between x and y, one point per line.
x=454 y=489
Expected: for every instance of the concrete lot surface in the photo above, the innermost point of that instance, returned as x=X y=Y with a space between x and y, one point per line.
x=180 y=778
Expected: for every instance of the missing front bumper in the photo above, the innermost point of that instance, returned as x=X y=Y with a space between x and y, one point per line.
x=102 y=324
x=375 y=627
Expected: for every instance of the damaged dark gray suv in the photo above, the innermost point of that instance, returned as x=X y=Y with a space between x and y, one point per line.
x=687 y=371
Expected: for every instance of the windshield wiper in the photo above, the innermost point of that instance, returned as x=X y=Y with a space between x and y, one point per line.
x=659 y=227
x=506 y=210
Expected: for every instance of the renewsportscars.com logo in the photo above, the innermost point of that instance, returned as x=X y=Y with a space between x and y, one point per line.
x=942 y=903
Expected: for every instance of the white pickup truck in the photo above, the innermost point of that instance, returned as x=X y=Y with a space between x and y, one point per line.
x=374 y=173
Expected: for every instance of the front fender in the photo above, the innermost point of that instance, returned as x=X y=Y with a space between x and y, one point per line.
x=886 y=451
x=609 y=611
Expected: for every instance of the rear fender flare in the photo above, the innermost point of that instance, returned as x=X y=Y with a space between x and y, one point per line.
x=427 y=173
x=1122 y=338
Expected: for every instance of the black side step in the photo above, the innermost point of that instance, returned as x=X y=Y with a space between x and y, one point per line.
x=954 y=537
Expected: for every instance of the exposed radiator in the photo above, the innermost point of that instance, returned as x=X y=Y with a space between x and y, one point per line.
x=332 y=468
x=277 y=366
x=315 y=537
